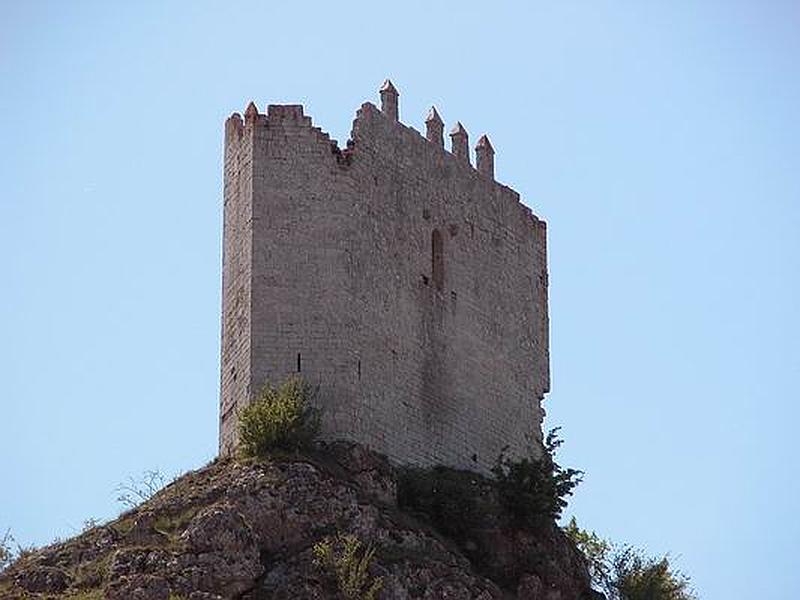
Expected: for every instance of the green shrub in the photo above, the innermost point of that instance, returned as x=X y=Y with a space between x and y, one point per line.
x=534 y=491
x=448 y=498
x=627 y=573
x=278 y=419
x=345 y=558
x=639 y=577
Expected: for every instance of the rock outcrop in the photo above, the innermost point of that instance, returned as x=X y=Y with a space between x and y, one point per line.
x=246 y=530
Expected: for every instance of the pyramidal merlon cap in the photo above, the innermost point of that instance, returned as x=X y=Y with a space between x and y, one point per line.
x=388 y=86
x=433 y=116
x=458 y=129
x=251 y=110
x=484 y=143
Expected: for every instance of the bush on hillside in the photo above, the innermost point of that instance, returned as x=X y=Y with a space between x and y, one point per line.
x=279 y=418
x=348 y=562
x=626 y=573
x=535 y=491
x=640 y=577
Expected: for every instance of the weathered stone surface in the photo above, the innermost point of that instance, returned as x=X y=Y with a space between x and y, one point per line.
x=530 y=588
x=429 y=355
x=372 y=473
x=236 y=530
x=44 y=579
x=143 y=532
x=138 y=587
x=220 y=528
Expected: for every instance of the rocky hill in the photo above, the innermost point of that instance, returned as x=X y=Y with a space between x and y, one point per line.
x=248 y=529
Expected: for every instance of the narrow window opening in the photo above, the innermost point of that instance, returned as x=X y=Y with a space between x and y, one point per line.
x=299 y=363
x=359 y=370
x=437 y=260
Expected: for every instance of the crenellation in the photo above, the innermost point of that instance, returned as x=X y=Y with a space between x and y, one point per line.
x=428 y=351
x=434 y=128
x=459 y=142
x=282 y=113
x=251 y=113
x=484 y=157
x=389 y=101
x=233 y=128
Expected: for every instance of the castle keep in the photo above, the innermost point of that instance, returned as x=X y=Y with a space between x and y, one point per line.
x=408 y=286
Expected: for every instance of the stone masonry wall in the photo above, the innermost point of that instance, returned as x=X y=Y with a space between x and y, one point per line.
x=409 y=287
x=236 y=276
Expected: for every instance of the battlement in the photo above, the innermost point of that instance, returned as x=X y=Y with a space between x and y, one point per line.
x=371 y=124
x=405 y=283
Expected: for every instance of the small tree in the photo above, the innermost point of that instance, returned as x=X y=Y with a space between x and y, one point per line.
x=640 y=577
x=536 y=491
x=278 y=419
x=625 y=573
x=137 y=490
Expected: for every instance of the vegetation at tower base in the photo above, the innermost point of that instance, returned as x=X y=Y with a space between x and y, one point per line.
x=279 y=418
x=536 y=490
x=532 y=493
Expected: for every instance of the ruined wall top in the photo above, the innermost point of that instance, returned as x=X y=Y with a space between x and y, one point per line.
x=277 y=115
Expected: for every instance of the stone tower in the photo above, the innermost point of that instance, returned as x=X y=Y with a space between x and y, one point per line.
x=408 y=286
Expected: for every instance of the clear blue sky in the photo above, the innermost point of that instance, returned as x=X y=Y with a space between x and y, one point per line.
x=660 y=141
